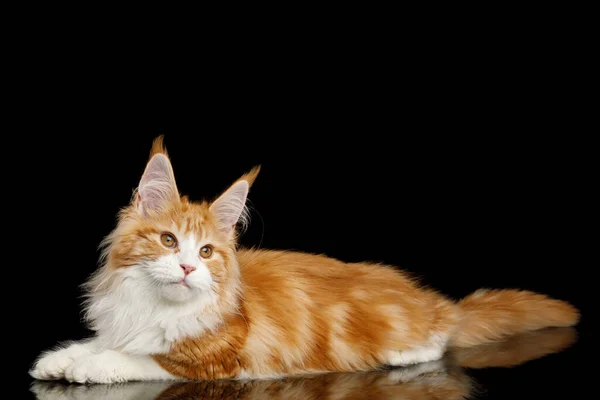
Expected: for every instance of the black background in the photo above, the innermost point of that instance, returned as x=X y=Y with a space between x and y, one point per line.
x=468 y=172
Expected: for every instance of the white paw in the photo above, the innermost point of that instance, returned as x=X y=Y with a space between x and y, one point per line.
x=105 y=367
x=415 y=355
x=51 y=365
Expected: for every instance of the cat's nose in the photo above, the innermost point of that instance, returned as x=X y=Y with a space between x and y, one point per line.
x=187 y=269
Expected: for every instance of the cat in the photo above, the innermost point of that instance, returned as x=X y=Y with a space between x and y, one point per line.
x=175 y=298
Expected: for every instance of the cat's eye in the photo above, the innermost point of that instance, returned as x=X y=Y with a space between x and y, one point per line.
x=168 y=240
x=206 y=251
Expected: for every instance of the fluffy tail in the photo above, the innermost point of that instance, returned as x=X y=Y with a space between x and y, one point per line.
x=490 y=315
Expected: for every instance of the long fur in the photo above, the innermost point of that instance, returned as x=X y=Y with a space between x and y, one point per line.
x=247 y=313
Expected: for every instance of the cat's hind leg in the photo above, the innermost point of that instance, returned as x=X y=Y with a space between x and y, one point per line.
x=431 y=350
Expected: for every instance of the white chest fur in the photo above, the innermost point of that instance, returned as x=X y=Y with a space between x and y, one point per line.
x=132 y=318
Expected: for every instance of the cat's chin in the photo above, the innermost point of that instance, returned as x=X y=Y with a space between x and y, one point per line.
x=178 y=293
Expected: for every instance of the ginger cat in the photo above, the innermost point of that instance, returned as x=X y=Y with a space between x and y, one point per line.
x=176 y=299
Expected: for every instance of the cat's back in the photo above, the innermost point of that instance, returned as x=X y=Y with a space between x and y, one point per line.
x=314 y=274
x=279 y=262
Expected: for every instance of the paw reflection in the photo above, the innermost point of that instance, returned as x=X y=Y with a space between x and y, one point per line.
x=46 y=390
x=445 y=379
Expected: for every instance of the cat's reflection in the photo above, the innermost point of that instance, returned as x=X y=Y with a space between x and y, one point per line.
x=445 y=379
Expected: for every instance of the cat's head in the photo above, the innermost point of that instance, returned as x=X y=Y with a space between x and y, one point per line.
x=181 y=248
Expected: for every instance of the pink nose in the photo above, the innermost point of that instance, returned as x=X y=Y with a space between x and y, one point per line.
x=187 y=269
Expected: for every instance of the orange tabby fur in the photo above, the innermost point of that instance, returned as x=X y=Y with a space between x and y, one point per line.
x=288 y=313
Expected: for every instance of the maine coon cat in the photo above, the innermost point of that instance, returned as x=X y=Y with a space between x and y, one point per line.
x=175 y=298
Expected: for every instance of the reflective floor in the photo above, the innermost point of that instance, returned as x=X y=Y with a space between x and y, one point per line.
x=458 y=376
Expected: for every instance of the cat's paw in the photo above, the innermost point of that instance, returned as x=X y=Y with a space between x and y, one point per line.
x=51 y=365
x=105 y=367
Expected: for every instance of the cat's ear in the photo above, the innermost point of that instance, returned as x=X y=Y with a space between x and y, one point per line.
x=157 y=187
x=230 y=207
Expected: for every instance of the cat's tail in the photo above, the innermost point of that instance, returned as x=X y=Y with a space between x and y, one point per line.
x=490 y=315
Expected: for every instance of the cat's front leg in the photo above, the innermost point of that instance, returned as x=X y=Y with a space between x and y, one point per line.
x=109 y=366
x=51 y=365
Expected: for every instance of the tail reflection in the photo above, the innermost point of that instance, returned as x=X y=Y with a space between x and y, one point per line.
x=516 y=350
x=444 y=379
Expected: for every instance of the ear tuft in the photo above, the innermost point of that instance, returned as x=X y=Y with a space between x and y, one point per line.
x=158 y=147
x=250 y=176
